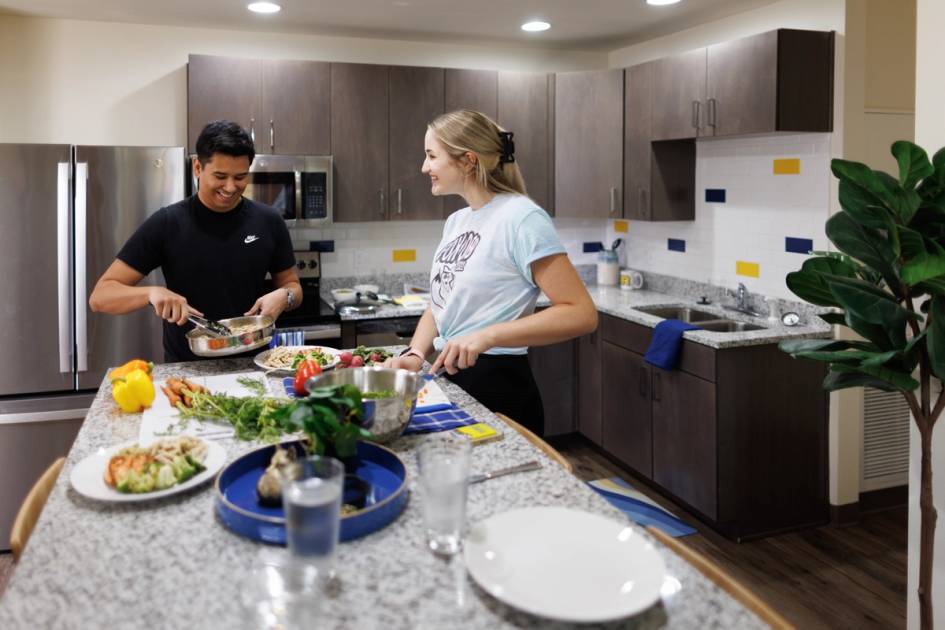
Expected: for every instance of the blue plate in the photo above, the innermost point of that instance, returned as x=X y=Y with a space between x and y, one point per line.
x=238 y=506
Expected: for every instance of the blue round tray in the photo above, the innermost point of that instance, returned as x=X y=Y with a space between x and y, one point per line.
x=239 y=508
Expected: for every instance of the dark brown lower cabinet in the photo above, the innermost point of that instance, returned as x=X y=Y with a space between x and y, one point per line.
x=588 y=377
x=626 y=422
x=553 y=369
x=738 y=435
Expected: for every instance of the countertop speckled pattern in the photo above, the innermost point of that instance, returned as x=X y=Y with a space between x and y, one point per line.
x=171 y=564
x=624 y=304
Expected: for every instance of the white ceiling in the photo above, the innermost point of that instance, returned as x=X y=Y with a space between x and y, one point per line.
x=575 y=24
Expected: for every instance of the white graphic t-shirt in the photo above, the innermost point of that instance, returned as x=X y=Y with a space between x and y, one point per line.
x=482 y=268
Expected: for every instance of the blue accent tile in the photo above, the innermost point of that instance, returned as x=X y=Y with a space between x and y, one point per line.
x=676 y=244
x=798 y=245
x=715 y=195
x=321 y=246
x=590 y=248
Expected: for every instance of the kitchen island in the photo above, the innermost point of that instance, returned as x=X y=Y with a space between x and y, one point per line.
x=171 y=563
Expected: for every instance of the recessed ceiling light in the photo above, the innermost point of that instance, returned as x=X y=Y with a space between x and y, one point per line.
x=660 y=3
x=264 y=7
x=535 y=26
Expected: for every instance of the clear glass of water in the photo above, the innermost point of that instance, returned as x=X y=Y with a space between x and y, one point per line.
x=444 y=473
x=311 y=498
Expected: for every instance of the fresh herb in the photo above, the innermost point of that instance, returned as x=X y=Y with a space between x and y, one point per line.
x=255 y=385
x=251 y=416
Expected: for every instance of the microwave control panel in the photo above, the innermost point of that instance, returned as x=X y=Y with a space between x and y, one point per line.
x=314 y=196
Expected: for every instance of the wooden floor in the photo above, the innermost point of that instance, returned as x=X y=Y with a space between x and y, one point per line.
x=829 y=577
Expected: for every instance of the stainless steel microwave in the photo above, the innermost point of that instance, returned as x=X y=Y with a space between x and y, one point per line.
x=298 y=186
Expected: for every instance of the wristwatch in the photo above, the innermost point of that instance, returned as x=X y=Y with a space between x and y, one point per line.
x=290 y=298
x=414 y=352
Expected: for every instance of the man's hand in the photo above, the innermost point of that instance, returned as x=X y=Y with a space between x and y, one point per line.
x=272 y=304
x=170 y=306
x=461 y=353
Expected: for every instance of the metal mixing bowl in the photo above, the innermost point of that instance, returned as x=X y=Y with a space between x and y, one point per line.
x=386 y=418
x=204 y=344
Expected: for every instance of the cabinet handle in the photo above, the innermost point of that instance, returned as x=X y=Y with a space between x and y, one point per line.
x=713 y=105
x=656 y=386
x=643 y=387
x=400 y=201
x=613 y=200
x=380 y=198
x=641 y=202
x=696 y=110
x=252 y=129
x=272 y=136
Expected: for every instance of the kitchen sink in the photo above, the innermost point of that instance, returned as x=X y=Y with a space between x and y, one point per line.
x=727 y=325
x=682 y=313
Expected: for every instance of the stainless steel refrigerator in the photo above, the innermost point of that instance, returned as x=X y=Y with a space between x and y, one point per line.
x=65 y=211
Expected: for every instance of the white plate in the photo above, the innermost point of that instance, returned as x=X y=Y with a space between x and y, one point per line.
x=564 y=564
x=88 y=476
x=260 y=359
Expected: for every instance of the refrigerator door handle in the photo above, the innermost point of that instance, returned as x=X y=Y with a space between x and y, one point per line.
x=62 y=262
x=81 y=229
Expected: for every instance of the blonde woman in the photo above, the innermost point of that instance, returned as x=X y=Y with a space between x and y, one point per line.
x=496 y=256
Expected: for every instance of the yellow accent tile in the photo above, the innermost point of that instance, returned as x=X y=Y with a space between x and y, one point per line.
x=750 y=269
x=621 y=226
x=787 y=166
x=405 y=255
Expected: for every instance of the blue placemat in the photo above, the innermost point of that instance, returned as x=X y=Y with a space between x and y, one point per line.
x=639 y=508
x=434 y=421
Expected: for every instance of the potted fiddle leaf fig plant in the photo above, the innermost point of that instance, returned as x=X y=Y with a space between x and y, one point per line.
x=887 y=284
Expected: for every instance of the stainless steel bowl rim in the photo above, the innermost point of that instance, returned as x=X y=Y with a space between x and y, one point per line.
x=206 y=346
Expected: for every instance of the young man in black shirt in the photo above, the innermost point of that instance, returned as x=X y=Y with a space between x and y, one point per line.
x=214 y=248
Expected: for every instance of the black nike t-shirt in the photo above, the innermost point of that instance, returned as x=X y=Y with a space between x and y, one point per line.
x=217 y=260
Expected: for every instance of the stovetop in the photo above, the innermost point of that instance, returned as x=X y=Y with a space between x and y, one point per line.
x=313 y=310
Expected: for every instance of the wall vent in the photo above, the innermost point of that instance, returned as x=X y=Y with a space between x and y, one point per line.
x=886 y=421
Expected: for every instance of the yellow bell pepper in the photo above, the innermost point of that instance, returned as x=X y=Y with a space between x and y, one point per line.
x=134 y=392
x=134 y=364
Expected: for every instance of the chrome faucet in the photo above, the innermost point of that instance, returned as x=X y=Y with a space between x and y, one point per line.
x=743 y=302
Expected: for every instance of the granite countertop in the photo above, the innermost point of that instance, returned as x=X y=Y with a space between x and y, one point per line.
x=170 y=563
x=625 y=304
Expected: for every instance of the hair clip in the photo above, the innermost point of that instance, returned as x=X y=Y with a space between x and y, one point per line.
x=508 y=147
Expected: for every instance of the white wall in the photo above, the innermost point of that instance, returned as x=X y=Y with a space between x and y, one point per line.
x=82 y=82
x=929 y=133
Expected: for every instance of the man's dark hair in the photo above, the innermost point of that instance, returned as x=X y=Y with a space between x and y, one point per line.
x=226 y=137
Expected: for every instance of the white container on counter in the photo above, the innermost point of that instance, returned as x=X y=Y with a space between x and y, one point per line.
x=608 y=269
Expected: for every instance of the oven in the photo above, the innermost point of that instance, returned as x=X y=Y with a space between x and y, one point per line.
x=298 y=186
x=314 y=317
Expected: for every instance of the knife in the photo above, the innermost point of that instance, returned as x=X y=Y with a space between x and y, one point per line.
x=533 y=465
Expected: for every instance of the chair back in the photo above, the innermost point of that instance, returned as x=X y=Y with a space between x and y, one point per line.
x=32 y=507
x=546 y=448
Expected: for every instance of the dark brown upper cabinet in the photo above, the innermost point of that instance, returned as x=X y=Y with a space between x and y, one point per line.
x=477 y=90
x=525 y=107
x=296 y=107
x=283 y=104
x=416 y=98
x=678 y=95
x=776 y=81
x=359 y=137
x=588 y=143
x=638 y=129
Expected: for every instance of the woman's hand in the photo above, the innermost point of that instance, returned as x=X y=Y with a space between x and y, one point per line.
x=272 y=304
x=170 y=306
x=407 y=362
x=461 y=353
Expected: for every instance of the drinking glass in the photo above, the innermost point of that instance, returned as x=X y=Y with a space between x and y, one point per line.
x=444 y=473
x=311 y=497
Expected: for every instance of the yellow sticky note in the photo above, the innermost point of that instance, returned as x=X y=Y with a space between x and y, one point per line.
x=405 y=255
x=750 y=269
x=621 y=226
x=787 y=166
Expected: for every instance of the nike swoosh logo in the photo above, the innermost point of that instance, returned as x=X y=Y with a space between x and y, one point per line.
x=250 y=238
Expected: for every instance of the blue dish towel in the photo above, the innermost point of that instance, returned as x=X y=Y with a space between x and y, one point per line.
x=666 y=343
x=434 y=421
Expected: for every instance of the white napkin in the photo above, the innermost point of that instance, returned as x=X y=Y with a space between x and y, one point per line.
x=431 y=398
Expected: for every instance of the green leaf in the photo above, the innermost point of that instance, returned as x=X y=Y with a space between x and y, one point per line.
x=844 y=380
x=914 y=164
x=850 y=357
x=796 y=346
x=933 y=286
x=809 y=283
x=864 y=206
x=903 y=203
x=346 y=441
x=874 y=332
x=863 y=244
x=866 y=301
x=896 y=379
x=925 y=258
x=935 y=338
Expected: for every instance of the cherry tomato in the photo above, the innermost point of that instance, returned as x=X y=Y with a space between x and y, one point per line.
x=305 y=371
